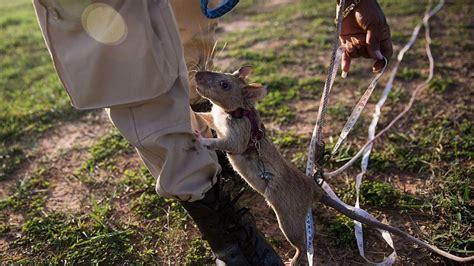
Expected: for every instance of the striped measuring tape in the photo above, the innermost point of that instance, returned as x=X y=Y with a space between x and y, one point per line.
x=368 y=146
x=400 y=56
x=345 y=131
x=316 y=137
x=371 y=132
x=359 y=235
x=358 y=109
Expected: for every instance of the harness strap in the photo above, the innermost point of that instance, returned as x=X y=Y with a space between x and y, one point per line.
x=257 y=129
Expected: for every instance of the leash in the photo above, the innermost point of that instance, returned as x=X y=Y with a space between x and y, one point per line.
x=371 y=135
x=388 y=88
x=220 y=10
x=317 y=145
x=358 y=110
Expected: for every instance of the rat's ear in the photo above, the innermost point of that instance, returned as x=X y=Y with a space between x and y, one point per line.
x=243 y=72
x=255 y=91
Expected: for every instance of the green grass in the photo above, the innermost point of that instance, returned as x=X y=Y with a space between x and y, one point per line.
x=151 y=206
x=29 y=196
x=286 y=139
x=339 y=111
x=436 y=141
x=199 y=253
x=104 y=150
x=11 y=157
x=59 y=239
x=381 y=195
x=340 y=231
x=440 y=85
x=408 y=74
x=32 y=100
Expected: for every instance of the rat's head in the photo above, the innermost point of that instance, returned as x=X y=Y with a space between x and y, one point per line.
x=229 y=90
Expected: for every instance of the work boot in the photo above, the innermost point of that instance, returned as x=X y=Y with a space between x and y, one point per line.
x=230 y=232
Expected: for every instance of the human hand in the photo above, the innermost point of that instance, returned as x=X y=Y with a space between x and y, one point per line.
x=365 y=33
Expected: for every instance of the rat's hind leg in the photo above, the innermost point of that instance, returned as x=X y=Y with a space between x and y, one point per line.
x=292 y=224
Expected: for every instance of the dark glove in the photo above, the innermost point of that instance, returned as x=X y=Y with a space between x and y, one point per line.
x=365 y=33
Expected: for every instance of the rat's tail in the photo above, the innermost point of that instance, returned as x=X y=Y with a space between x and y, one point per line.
x=328 y=201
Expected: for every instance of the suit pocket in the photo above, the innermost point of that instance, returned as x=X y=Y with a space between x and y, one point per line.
x=107 y=53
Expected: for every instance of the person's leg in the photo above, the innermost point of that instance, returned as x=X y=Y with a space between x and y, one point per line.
x=162 y=132
x=198 y=40
x=145 y=65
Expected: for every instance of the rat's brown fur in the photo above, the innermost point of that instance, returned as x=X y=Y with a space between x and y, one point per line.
x=290 y=192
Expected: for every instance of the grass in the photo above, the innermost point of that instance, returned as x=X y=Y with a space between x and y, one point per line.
x=59 y=239
x=440 y=85
x=408 y=74
x=11 y=157
x=381 y=195
x=340 y=231
x=436 y=142
x=103 y=151
x=31 y=97
x=286 y=140
x=29 y=195
x=124 y=221
x=199 y=253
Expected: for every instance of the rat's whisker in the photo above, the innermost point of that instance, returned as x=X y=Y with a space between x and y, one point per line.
x=211 y=54
x=193 y=66
x=221 y=50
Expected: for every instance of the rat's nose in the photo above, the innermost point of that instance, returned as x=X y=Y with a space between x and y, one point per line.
x=202 y=76
x=199 y=76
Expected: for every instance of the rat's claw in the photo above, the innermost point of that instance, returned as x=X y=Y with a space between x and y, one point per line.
x=206 y=142
x=197 y=134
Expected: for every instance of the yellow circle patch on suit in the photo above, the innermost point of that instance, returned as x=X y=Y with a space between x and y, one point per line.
x=104 y=24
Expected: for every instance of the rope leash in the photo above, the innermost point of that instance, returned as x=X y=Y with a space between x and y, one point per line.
x=371 y=135
x=317 y=145
x=388 y=88
x=367 y=147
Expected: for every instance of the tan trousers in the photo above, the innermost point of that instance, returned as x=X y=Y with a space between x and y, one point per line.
x=131 y=56
x=161 y=130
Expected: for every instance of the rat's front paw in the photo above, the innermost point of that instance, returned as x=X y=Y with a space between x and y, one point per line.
x=197 y=134
x=207 y=142
x=210 y=143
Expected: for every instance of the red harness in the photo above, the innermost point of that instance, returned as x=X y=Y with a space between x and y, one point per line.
x=257 y=130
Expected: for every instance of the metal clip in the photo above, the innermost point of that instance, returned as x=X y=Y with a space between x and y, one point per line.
x=267 y=176
x=318 y=177
x=321 y=156
x=257 y=147
x=264 y=174
x=255 y=139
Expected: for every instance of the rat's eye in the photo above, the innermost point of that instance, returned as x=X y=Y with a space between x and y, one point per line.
x=225 y=85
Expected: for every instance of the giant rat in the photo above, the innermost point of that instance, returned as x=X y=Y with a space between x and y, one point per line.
x=286 y=189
